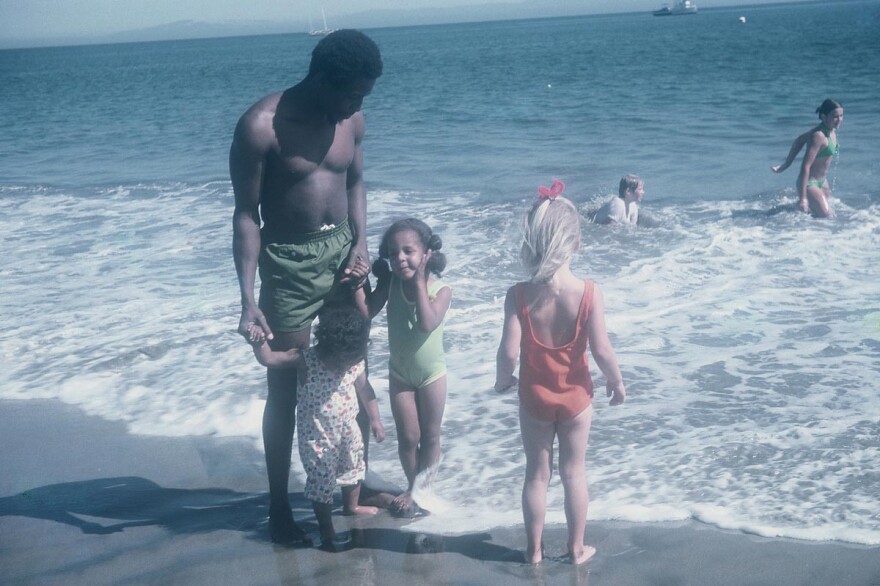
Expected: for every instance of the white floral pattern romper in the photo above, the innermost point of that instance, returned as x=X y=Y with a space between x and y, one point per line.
x=330 y=444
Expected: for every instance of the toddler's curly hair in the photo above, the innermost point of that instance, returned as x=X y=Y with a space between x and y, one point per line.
x=342 y=334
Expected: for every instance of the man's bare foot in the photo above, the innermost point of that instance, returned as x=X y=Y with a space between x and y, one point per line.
x=361 y=510
x=284 y=531
x=336 y=543
x=578 y=558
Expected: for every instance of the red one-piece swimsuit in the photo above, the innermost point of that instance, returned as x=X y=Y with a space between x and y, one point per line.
x=554 y=382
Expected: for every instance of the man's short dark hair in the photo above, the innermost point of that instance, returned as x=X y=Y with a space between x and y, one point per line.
x=346 y=56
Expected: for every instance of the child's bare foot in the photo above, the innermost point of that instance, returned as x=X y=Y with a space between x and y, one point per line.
x=361 y=510
x=534 y=557
x=382 y=500
x=411 y=511
x=402 y=506
x=580 y=557
x=327 y=535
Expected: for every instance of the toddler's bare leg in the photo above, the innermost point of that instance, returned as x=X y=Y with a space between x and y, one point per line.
x=350 y=506
x=324 y=515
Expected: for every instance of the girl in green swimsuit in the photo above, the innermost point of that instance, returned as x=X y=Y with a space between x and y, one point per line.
x=814 y=193
x=417 y=305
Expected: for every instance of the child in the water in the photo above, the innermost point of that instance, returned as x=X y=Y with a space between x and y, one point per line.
x=623 y=209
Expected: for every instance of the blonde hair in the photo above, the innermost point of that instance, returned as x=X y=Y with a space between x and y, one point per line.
x=551 y=234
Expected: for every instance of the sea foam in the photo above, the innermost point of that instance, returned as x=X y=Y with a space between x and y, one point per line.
x=748 y=343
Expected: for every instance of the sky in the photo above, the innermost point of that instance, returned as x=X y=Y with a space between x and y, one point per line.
x=38 y=22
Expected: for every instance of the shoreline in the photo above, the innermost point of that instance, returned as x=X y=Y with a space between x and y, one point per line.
x=84 y=502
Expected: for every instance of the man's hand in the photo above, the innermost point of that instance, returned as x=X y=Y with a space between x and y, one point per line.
x=251 y=317
x=355 y=273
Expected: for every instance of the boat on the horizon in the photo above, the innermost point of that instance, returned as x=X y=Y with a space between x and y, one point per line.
x=679 y=8
x=320 y=32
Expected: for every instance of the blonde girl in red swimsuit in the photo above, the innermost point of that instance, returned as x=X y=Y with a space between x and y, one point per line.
x=549 y=321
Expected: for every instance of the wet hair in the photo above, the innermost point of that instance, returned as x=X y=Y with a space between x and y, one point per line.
x=346 y=56
x=342 y=333
x=828 y=106
x=437 y=263
x=629 y=181
x=551 y=234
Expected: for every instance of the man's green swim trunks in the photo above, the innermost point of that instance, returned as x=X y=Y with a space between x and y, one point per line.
x=299 y=273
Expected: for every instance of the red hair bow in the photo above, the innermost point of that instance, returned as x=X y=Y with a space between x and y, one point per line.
x=551 y=192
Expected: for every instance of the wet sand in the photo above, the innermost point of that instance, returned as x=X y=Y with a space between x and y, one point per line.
x=84 y=502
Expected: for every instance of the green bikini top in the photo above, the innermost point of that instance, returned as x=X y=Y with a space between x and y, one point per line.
x=830 y=149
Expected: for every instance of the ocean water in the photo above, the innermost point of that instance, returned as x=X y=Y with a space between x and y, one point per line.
x=749 y=342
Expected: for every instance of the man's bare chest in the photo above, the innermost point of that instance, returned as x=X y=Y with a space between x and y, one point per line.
x=305 y=154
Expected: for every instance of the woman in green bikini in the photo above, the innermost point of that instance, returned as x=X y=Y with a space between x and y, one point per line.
x=814 y=191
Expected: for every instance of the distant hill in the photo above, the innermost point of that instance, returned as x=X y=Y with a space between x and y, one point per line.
x=191 y=29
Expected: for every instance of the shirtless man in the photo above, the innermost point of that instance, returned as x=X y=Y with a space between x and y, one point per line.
x=296 y=163
x=625 y=208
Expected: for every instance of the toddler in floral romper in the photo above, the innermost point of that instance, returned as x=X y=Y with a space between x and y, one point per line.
x=331 y=378
x=330 y=445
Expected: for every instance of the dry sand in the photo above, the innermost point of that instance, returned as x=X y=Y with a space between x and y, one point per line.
x=83 y=502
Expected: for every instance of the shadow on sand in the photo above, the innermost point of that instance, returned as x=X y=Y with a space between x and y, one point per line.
x=110 y=505
x=130 y=501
